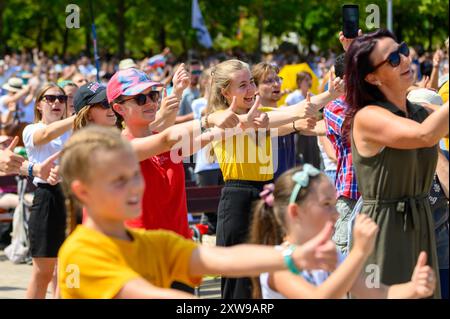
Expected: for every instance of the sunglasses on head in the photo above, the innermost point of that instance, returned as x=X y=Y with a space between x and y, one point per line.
x=394 y=58
x=52 y=98
x=141 y=99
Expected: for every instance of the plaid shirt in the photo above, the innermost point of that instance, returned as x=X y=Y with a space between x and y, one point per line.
x=334 y=115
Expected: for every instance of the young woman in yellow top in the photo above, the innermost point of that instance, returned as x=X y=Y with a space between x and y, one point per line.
x=246 y=159
x=104 y=259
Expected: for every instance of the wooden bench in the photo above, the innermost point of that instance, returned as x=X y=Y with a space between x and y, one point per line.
x=203 y=199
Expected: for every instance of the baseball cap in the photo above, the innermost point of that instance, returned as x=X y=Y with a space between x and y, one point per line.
x=128 y=82
x=425 y=96
x=88 y=94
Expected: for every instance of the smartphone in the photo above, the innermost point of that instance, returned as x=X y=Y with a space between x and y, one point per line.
x=350 y=20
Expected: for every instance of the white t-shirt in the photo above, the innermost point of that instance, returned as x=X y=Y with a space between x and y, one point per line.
x=201 y=157
x=314 y=277
x=38 y=154
x=294 y=97
x=327 y=162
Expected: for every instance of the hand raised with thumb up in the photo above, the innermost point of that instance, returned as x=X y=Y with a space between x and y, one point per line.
x=423 y=280
x=225 y=119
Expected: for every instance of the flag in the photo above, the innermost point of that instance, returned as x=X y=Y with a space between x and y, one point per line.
x=157 y=61
x=198 y=24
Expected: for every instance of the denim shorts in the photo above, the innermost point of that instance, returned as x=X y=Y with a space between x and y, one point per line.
x=344 y=206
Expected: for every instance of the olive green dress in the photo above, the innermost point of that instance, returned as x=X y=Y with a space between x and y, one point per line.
x=394 y=185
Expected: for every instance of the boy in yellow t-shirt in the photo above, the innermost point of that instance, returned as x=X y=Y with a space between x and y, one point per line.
x=103 y=259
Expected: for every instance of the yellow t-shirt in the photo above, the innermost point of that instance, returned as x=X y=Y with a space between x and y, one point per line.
x=93 y=265
x=443 y=92
x=243 y=157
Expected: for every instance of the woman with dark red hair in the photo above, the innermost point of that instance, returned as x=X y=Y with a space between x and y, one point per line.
x=394 y=153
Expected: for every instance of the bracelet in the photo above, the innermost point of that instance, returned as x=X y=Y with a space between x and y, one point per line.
x=206 y=120
x=30 y=169
x=295 y=129
x=289 y=262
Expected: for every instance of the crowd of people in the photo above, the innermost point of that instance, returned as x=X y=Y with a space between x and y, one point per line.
x=318 y=187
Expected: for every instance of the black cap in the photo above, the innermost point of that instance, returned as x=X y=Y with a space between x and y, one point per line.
x=88 y=94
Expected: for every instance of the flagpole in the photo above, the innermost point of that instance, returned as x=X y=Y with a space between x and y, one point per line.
x=94 y=39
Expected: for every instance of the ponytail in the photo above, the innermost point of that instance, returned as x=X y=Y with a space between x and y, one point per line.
x=72 y=209
x=265 y=229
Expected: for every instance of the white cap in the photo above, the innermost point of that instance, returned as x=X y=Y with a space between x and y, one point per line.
x=126 y=64
x=425 y=96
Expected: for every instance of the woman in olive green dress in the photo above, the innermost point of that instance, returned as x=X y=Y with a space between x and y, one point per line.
x=394 y=153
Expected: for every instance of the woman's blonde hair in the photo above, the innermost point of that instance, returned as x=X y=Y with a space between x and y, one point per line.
x=77 y=158
x=40 y=96
x=220 y=79
x=82 y=118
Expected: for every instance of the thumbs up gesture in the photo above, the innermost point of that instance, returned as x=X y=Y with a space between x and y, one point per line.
x=227 y=118
x=255 y=118
x=423 y=279
x=309 y=109
x=336 y=85
x=319 y=252
x=10 y=163
x=43 y=169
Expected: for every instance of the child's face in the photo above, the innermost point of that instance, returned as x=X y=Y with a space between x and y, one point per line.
x=319 y=207
x=305 y=85
x=243 y=87
x=115 y=189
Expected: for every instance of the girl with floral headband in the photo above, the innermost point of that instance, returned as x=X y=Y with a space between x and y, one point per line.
x=294 y=210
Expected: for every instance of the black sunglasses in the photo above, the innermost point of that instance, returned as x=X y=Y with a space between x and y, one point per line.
x=141 y=99
x=104 y=104
x=394 y=58
x=52 y=98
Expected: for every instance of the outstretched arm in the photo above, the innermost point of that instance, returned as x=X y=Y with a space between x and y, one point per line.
x=52 y=131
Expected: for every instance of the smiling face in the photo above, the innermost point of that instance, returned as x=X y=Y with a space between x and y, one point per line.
x=243 y=87
x=102 y=116
x=51 y=111
x=396 y=78
x=318 y=207
x=269 y=88
x=115 y=196
x=134 y=114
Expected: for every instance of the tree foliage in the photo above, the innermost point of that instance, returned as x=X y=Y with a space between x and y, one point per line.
x=141 y=27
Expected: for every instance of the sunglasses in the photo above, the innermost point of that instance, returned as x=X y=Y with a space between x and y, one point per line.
x=104 y=104
x=52 y=98
x=196 y=72
x=394 y=58
x=141 y=99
